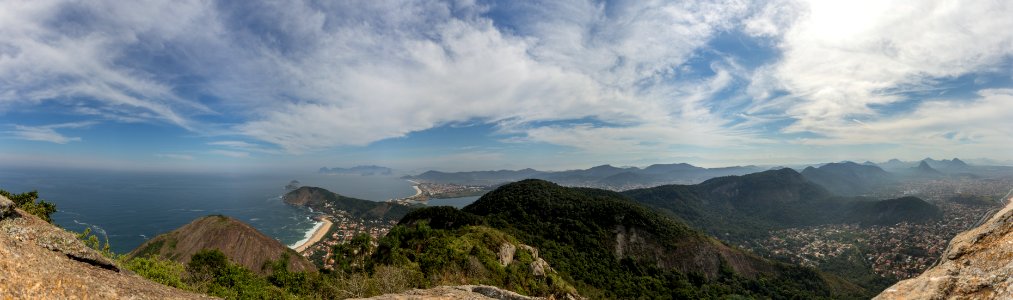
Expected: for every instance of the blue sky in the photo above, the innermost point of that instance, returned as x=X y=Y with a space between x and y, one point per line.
x=464 y=85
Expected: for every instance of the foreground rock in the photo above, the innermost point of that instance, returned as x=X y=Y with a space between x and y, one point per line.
x=40 y=261
x=466 y=292
x=976 y=265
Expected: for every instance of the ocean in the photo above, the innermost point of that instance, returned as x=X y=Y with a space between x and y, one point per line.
x=131 y=207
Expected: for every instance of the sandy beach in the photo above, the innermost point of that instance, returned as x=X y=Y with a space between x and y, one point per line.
x=415 y=185
x=317 y=236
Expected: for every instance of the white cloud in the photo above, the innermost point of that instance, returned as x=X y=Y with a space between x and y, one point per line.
x=982 y=122
x=841 y=59
x=302 y=76
x=362 y=82
x=46 y=56
x=47 y=133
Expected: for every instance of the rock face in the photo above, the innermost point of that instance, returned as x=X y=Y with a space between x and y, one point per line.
x=506 y=254
x=240 y=242
x=40 y=261
x=467 y=292
x=539 y=267
x=6 y=206
x=977 y=264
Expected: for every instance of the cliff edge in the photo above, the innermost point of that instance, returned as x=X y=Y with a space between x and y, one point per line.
x=40 y=261
x=977 y=264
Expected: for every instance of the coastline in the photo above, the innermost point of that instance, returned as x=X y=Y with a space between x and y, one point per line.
x=319 y=231
x=418 y=191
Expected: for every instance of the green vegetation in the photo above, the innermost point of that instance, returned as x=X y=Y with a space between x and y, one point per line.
x=893 y=211
x=466 y=255
x=577 y=231
x=358 y=208
x=744 y=209
x=164 y=271
x=91 y=241
x=30 y=203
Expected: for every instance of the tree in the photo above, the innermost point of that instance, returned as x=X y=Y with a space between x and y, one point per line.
x=27 y=202
x=354 y=255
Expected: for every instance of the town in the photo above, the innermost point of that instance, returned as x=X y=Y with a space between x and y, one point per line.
x=898 y=251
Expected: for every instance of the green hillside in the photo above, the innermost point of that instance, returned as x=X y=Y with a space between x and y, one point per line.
x=610 y=247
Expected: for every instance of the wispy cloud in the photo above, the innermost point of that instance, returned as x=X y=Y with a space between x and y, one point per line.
x=230 y=153
x=841 y=61
x=47 y=133
x=304 y=76
x=175 y=156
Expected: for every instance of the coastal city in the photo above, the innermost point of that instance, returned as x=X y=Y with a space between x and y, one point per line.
x=900 y=251
x=340 y=229
x=896 y=251
x=431 y=190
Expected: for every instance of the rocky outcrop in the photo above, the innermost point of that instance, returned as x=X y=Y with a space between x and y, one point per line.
x=977 y=264
x=239 y=241
x=506 y=254
x=539 y=267
x=467 y=292
x=40 y=261
x=6 y=207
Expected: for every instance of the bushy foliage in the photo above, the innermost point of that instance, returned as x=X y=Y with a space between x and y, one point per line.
x=30 y=203
x=466 y=255
x=160 y=270
x=210 y=272
x=92 y=241
x=354 y=256
x=574 y=230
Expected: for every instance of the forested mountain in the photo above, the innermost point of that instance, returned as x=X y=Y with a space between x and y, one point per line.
x=320 y=199
x=737 y=208
x=609 y=246
x=892 y=211
x=848 y=178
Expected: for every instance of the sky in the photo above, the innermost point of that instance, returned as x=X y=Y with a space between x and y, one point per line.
x=473 y=85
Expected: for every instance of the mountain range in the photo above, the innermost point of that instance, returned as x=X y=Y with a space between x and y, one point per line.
x=599 y=176
x=746 y=207
x=609 y=246
x=358 y=170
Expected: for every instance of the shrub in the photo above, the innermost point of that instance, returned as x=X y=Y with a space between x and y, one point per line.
x=27 y=202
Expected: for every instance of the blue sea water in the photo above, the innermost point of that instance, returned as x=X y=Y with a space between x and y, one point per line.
x=131 y=207
x=455 y=202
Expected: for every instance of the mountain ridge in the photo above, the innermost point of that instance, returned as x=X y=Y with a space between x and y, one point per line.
x=581 y=230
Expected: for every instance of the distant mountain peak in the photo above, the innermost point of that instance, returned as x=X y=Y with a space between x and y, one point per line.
x=924 y=167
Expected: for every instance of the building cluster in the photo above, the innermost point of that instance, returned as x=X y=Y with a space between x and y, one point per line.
x=449 y=190
x=343 y=230
x=902 y=250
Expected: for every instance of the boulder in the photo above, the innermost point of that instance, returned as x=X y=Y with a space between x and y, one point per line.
x=539 y=267
x=506 y=254
x=6 y=207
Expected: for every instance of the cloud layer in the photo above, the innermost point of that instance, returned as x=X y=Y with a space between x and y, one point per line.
x=622 y=77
